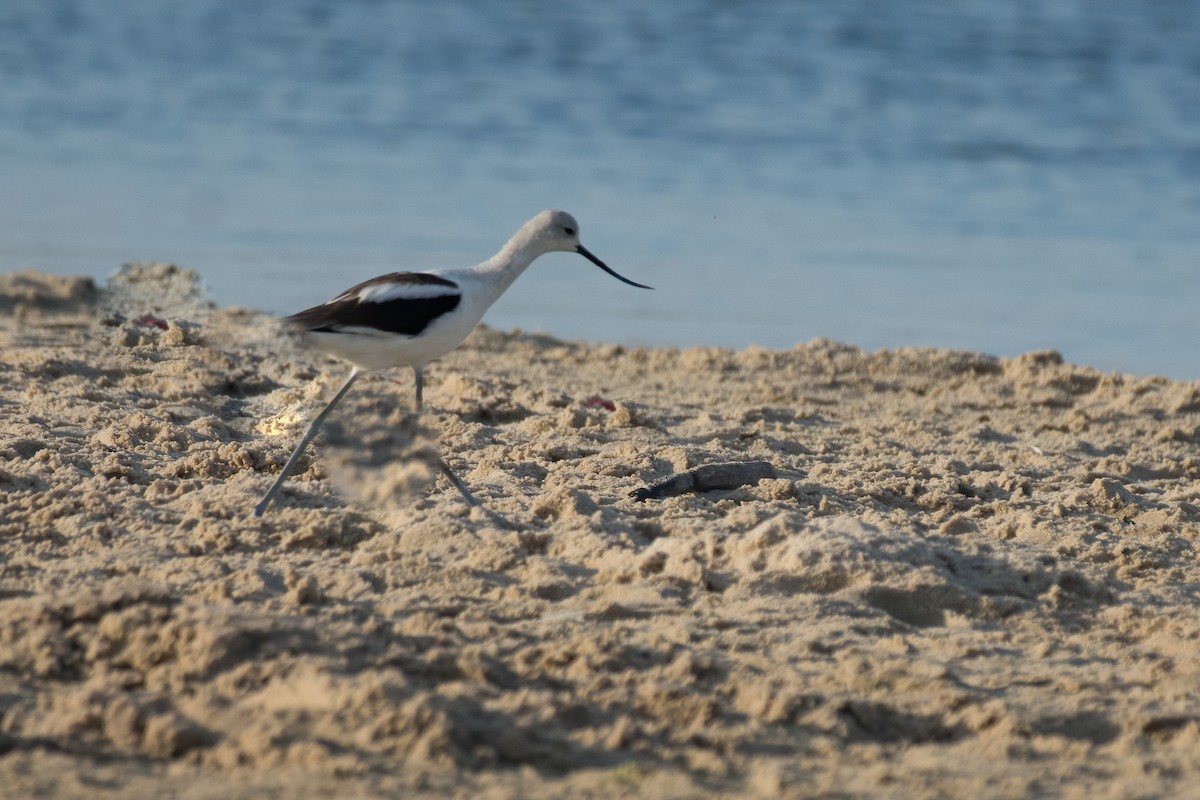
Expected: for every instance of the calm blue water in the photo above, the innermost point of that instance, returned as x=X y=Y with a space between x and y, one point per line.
x=1000 y=176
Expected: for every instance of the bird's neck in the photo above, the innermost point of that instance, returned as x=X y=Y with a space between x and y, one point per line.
x=506 y=266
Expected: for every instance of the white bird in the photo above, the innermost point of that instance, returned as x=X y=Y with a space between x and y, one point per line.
x=408 y=319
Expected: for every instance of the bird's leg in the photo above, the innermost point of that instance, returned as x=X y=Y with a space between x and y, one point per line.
x=419 y=377
x=313 y=427
x=458 y=484
x=441 y=464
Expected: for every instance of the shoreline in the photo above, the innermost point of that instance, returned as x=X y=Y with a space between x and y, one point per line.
x=969 y=574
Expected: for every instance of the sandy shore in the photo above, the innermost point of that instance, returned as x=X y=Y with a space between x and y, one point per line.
x=969 y=576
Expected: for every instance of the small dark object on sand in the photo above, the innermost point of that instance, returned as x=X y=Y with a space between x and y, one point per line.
x=151 y=321
x=729 y=475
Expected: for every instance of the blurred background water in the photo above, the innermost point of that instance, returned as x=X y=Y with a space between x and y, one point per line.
x=996 y=175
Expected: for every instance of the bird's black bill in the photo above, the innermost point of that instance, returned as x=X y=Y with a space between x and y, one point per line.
x=583 y=251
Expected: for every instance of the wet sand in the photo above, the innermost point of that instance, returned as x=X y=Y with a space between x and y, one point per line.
x=969 y=576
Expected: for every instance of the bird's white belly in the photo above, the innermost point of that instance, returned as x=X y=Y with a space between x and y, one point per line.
x=374 y=350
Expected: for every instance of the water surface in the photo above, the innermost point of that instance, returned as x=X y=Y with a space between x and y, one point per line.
x=1000 y=176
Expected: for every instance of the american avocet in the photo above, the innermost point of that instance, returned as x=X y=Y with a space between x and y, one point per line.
x=407 y=319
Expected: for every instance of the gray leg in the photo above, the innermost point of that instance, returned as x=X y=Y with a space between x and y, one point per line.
x=441 y=465
x=468 y=497
x=313 y=427
x=458 y=484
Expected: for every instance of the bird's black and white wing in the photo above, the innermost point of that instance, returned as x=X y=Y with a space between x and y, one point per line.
x=402 y=303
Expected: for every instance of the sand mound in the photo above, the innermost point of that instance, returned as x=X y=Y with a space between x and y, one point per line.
x=969 y=576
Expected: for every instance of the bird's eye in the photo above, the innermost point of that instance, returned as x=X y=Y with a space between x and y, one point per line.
x=570 y=231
